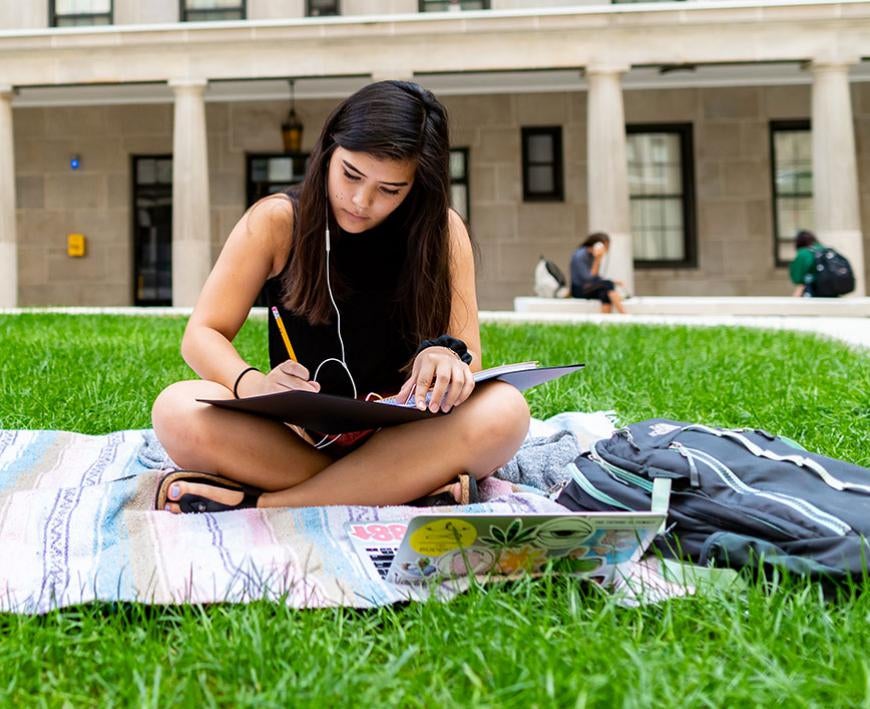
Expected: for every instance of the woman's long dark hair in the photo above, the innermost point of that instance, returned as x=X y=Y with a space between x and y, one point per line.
x=395 y=120
x=599 y=237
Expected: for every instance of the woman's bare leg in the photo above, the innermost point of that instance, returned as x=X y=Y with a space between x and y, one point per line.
x=616 y=300
x=396 y=464
x=245 y=448
x=606 y=308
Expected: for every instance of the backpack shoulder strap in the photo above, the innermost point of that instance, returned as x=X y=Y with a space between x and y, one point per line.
x=661 y=499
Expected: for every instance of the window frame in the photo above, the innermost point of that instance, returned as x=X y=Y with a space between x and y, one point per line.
x=421 y=5
x=687 y=167
x=788 y=125
x=183 y=10
x=250 y=196
x=335 y=14
x=558 y=193
x=53 y=15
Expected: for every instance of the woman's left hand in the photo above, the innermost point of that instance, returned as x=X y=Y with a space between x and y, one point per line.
x=441 y=370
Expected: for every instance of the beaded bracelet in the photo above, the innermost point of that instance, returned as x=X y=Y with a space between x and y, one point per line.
x=239 y=378
x=451 y=343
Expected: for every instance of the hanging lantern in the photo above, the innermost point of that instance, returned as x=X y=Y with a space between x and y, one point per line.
x=291 y=128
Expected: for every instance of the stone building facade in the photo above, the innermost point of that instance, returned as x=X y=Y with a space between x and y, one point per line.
x=213 y=115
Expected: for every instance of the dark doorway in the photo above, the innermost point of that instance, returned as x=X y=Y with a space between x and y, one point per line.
x=152 y=230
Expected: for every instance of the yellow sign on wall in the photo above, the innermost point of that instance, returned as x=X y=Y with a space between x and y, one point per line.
x=75 y=244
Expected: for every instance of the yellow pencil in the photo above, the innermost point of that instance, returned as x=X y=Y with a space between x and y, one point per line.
x=283 y=332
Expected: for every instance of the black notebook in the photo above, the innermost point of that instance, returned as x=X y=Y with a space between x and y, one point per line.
x=328 y=413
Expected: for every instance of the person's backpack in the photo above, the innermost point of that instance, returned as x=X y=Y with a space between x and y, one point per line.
x=832 y=274
x=738 y=497
x=549 y=280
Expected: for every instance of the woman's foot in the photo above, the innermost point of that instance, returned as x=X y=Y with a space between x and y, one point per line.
x=185 y=491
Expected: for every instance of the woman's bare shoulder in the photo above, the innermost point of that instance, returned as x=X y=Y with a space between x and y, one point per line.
x=460 y=240
x=270 y=223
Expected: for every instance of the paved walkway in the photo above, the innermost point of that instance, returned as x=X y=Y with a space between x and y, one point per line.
x=853 y=331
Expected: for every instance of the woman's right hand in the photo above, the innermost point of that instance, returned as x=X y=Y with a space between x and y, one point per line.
x=286 y=376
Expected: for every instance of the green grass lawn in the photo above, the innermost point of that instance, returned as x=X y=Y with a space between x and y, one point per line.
x=543 y=642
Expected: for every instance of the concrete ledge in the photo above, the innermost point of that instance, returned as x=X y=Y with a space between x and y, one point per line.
x=713 y=305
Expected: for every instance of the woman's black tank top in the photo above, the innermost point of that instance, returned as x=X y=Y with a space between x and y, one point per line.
x=370 y=264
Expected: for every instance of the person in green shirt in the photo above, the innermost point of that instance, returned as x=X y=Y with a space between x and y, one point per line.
x=801 y=269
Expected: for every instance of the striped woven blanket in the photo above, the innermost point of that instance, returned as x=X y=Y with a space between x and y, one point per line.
x=77 y=524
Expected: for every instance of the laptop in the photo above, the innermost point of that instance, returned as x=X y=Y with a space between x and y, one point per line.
x=437 y=546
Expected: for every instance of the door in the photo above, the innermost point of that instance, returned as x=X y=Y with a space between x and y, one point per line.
x=152 y=230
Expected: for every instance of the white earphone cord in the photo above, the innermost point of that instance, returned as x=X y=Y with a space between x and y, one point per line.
x=329 y=439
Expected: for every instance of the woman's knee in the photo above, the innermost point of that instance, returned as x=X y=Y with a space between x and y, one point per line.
x=493 y=432
x=176 y=416
x=503 y=418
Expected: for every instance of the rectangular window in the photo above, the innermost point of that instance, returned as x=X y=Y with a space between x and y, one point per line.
x=542 y=164
x=72 y=13
x=273 y=172
x=322 y=8
x=791 y=158
x=459 y=197
x=661 y=188
x=213 y=10
x=451 y=5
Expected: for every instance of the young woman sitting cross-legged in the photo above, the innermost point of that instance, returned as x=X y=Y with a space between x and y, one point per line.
x=373 y=277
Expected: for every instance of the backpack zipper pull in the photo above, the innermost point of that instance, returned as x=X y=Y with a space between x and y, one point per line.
x=694 y=476
x=626 y=434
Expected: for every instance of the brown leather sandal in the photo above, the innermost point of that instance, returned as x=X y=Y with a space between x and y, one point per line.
x=468 y=494
x=190 y=503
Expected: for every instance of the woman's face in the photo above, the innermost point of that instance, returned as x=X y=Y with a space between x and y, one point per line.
x=364 y=190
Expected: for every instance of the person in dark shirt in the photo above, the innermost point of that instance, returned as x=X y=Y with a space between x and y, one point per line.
x=800 y=270
x=585 y=279
x=372 y=275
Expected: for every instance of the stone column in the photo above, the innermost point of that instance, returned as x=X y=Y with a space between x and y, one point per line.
x=835 y=175
x=607 y=170
x=8 y=237
x=191 y=205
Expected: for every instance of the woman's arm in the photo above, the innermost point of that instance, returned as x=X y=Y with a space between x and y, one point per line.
x=440 y=368
x=801 y=265
x=597 y=252
x=254 y=251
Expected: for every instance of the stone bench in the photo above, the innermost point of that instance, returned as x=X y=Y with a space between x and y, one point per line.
x=710 y=305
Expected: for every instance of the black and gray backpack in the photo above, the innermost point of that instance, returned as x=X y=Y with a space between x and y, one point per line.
x=832 y=274
x=738 y=497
